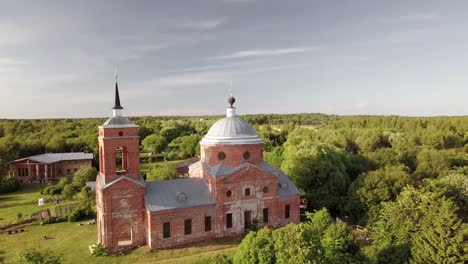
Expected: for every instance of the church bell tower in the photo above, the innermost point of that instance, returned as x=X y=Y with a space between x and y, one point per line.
x=119 y=187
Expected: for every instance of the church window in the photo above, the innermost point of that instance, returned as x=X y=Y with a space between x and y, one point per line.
x=120 y=159
x=221 y=155
x=287 y=211
x=167 y=230
x=246 y=155
x=247 y=191
x=265 y=189
x=120 y=133
x=188 y=226
x=265 y=215
x=229 y=220
x=229 y=193
x=207 y=223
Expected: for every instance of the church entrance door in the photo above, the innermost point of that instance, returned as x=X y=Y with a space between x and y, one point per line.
x=247 y=219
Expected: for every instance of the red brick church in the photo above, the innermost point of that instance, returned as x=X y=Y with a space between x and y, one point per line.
x=226 y=191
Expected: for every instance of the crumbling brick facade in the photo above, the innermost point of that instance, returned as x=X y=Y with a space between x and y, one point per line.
x=228 y=191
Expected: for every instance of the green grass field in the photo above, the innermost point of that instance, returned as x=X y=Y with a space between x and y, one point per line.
x=72 y=241
x=23 y=201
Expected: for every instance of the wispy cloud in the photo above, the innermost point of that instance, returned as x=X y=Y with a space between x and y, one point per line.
x=186 y=79
x=423 y=16
x=203 y=25
x=253 y=53
x=11 y=64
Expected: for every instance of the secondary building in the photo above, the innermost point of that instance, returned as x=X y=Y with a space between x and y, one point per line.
x=49 y=166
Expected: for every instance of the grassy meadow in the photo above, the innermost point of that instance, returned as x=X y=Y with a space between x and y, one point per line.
x=72 y=240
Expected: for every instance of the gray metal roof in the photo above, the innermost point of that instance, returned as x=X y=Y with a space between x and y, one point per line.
x=119 y=121
x=104 y=185
x=286 y=187
x=55 y=157
x=179 y=193
x=231 y=130
x=222 y=169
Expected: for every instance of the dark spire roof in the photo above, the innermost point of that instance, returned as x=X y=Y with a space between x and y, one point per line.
x=117 y=98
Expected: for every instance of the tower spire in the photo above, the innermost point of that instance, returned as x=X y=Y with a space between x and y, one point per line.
x=117 y=109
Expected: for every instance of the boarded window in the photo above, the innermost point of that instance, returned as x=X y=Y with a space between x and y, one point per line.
x=265 y=215
x=287 y=211
x=188 y=226
x=166 y=230
x=247 y=191
x=229 y=220
x=207 y=223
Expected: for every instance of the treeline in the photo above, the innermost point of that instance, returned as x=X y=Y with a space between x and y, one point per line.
x=171 y=137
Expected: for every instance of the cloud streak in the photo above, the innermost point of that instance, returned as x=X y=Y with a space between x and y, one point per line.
x=203 y=25
x=423 y=17
x=255 y=53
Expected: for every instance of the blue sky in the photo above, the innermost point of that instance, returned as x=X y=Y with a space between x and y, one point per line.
x=57 y=58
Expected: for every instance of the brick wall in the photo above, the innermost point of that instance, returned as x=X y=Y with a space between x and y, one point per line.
x=234 y=154
x=176 y=219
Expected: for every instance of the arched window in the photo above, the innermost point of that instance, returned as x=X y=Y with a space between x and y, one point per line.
x=120 y=160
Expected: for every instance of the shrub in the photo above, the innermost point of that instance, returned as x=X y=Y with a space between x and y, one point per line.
x=99 y=250
x=36 y=256
x=9 y=185
x=53 y=220
x=80 y=213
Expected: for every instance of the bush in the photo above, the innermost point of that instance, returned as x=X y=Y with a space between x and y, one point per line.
x=35 y=256
x=53 y=220
x=9 y=185
x=80 y=213
x=99 y=250
x=83 y=175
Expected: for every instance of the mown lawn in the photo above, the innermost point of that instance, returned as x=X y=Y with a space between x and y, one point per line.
x=23 y=201
x=72 y=241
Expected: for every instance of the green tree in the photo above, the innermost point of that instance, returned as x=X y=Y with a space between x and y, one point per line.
x=164 y=171
x=83 y=175
x=256 y=247
x=275 y=157
x=290 y=245
x=375 y=187
x=185 y=146
x=431 y=163
x=339 y=245
x=155 y=143
x=245 y=252
x=68 y=191
x=440 y=238
x=319 y=172
x=56 y=143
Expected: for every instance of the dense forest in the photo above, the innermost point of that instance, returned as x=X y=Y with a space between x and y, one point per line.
x=405 y=179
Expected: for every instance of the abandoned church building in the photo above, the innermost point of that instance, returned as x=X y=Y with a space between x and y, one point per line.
x=226 y=191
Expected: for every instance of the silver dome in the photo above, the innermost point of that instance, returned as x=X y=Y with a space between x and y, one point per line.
x=231 y=131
